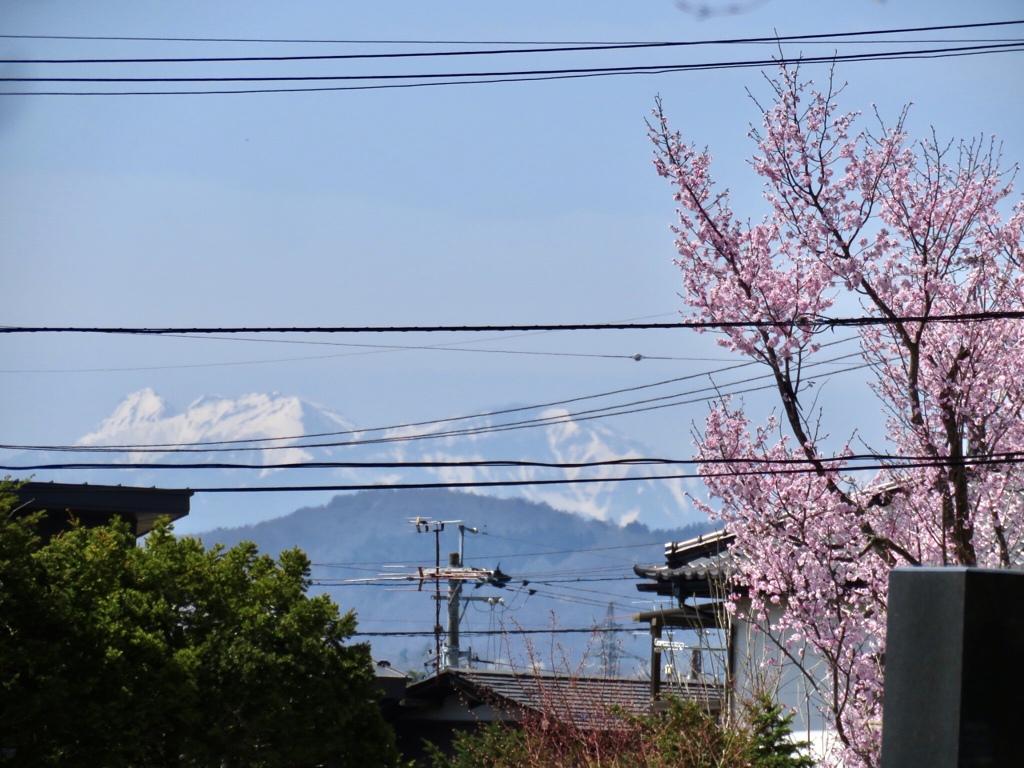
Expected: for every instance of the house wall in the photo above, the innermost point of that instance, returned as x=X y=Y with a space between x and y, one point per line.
x=439 y=722
x=792 y=672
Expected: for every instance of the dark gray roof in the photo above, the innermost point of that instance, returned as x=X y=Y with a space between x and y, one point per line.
x=98 y=504
x=578 y=699
x=691 y=567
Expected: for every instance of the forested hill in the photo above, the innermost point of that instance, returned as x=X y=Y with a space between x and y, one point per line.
x=574 y=567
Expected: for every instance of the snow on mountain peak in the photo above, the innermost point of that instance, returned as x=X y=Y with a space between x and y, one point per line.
x=139 y=410
x=143 y=418
x=279 y=421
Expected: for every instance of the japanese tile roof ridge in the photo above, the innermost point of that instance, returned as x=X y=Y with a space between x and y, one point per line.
x=699 y=546
x=699 y=562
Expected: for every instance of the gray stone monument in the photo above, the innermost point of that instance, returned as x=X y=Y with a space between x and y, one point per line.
x=954 y=669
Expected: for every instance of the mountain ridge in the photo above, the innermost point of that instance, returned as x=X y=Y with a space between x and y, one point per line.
x=272 y=429
x=566 y=570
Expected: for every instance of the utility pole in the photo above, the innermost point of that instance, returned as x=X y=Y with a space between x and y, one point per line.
x=455 y=560
x=454 y=592
x=455 y=574
x=435 y=527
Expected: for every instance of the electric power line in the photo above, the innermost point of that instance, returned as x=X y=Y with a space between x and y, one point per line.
x=531 y=73
x=940 y=462
x=809 y=323
x=433 y=79
x=377 y=349
x=585 y=415
x=553 y=47
x=330 y=41
x=456 y=463
x=366 y=349
x=431 y=422
x=551 y=631
x=354 y=565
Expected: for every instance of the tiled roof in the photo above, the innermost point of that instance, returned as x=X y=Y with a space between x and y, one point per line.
x=696 y=563
x=584 y=699
x=577 y=699
x=693 y=551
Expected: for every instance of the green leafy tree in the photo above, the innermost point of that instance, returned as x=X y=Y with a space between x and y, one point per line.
x=172 y=654
x=32 y=632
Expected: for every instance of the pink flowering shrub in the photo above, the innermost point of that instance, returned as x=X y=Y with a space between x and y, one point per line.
x=924 y=235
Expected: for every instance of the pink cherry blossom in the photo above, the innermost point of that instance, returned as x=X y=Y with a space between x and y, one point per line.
x=914 y=230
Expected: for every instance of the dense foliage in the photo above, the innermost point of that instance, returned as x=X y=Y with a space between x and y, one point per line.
x=685 y=736
x=172 y=654
x=924 y=237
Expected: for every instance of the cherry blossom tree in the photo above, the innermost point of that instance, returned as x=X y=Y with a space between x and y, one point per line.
x=925 y=236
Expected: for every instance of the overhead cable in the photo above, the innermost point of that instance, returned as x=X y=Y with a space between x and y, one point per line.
x=531 y=73
x=551 y=631
x=423 y=80
x=365 y=349
x=553 y=47
x=503 y=555
x=405 y=426
x=430 y=422
x=804 y=322
x=335 y=41
x=638 y=406
x=497 y=463
x=942 y=462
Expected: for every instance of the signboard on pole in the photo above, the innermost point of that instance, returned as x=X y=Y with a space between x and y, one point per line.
x=669 y=645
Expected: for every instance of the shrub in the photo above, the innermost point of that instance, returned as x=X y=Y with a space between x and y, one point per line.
x=684 y=736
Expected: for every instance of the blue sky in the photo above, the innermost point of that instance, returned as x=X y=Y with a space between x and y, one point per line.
x=513 y=203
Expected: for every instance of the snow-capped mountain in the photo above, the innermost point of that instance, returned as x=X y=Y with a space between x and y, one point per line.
x=216 y=423
x=271 y=430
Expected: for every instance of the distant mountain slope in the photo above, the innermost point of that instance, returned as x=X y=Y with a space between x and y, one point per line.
x=264 y=430
x=575 y=566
